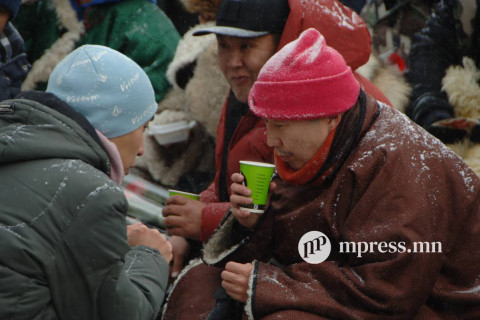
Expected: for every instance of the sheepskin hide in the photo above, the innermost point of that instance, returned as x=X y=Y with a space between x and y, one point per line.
x=461 y=85
x=389 y=80
x=201 y=100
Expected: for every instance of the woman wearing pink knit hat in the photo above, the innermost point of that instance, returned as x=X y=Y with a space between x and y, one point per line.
x=370 y=216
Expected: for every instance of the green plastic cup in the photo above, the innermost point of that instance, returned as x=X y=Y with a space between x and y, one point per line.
x=257 y=177
x=194 y=196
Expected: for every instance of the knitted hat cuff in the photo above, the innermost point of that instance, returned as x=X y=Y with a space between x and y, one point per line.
x=282 y=100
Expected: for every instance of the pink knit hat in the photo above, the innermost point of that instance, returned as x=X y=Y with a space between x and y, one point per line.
x=306 y=79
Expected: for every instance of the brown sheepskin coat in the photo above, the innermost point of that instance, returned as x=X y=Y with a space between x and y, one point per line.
x=395 y=184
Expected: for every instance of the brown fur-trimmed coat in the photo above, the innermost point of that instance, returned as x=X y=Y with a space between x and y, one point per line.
x=397 y=184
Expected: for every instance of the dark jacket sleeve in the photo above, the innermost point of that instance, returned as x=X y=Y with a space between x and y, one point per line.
x=113 y=280
x=434 y=49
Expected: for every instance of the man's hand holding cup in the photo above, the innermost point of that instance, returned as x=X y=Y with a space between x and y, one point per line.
x=250 y=191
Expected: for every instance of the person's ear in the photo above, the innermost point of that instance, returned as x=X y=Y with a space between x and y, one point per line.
x=333 y=121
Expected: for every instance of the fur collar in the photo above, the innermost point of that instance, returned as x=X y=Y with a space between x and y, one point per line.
x=42 y=67
x=221 y=242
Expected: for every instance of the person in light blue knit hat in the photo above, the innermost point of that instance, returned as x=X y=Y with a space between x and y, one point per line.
x=62 y=158
x=107 y=87
x=111 y=91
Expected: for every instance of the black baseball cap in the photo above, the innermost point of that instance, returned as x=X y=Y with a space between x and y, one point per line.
x=249 y=18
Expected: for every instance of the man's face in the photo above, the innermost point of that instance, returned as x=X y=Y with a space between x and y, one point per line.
x=241 y=60
x=296 y=142
x=130 y=146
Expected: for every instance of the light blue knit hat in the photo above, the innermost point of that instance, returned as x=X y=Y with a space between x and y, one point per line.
x=108 y=88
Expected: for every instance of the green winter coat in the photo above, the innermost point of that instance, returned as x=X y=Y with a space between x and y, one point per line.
x=64 y=251
x=137 y=28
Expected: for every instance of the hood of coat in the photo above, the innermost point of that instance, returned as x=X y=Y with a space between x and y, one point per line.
x=332 y=19
x=41 y=126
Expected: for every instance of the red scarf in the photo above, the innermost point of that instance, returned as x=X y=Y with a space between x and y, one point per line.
x=306 y=173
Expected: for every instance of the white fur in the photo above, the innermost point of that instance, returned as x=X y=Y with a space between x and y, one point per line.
x=461 y=85
x=167 y=168
x=368 y=69
x=206 y=91
x=461 y=147
x=469 y=152
x=43 y=67
x=389 y=80
x=220 y=243
x=202 y=101
x=169 y=116
x=472 y=158
x=251 y=280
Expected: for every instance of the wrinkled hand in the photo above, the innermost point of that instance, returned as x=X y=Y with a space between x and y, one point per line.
x=183 y=217
x=235 y=279
x=139 y=234
x=241 y=195
x=181 y=249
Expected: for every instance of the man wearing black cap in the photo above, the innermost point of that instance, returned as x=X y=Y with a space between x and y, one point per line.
x=249 y=32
